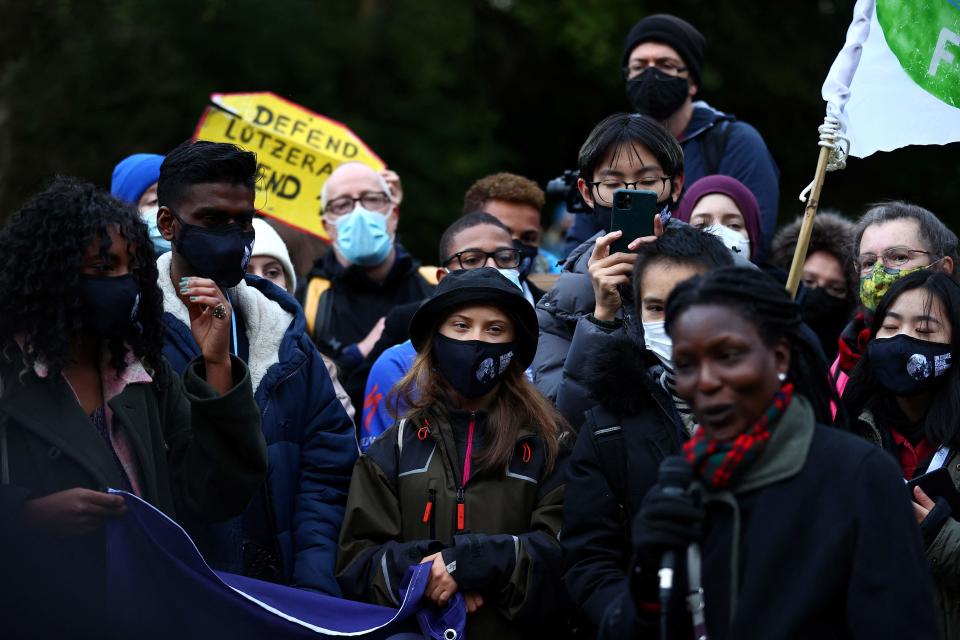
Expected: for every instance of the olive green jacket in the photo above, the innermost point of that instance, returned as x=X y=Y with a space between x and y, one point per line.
x=404 y=504
x=943 y=553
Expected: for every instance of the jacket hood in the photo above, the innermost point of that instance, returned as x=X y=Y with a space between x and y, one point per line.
x=619 y=377
x=832 y=233
x=704 y=116
x=268 y=318
x=329 y=268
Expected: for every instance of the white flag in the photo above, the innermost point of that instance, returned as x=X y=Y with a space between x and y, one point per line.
x=896 y=82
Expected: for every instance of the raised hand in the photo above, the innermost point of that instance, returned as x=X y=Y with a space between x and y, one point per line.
x=210 y=315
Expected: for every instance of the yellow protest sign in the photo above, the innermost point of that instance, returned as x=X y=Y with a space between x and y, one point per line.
x=296 y=149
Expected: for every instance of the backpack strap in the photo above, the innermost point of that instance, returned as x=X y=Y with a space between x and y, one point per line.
x=607 y=434
x=714 y=143
x=311 y=302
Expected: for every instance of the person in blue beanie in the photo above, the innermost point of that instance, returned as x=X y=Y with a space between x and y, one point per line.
x=134 y=181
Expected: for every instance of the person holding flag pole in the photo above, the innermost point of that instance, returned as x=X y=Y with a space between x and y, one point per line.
x=895 y=82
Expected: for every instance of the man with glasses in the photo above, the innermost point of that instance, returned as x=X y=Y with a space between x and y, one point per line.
x=662 y=63
x=586 y=307
x=350 y=290
x=288 y=533
x=473 y=241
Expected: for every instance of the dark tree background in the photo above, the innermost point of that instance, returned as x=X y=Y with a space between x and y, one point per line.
x=444 y=92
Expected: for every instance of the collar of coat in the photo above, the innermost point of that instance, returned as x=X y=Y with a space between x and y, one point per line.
x=264 y=320
x=787 y=450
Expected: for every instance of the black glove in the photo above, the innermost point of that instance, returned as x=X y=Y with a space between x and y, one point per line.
x=665 y=522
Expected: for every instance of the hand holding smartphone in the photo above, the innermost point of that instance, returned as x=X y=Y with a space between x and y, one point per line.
x=632 y=213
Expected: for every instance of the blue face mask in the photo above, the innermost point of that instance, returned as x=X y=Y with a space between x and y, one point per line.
x=160 y=244
x=362 y=237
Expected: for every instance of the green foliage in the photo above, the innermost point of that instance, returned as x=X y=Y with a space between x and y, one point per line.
x=445 y=92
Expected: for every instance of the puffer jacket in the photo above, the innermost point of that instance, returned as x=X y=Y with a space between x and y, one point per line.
x=816 y=540
x=288 y=533
x=499 y=531
x=941 y=536
x=200 y=456
x=613 y=465
x=568 y=336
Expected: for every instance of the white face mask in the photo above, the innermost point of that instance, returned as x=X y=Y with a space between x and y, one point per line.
x=733 y=240
x=149 y=215
x=513 y=275
x=657 y=341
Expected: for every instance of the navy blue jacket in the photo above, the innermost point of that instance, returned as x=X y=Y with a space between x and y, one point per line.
x=745 y=157
x=311 y=447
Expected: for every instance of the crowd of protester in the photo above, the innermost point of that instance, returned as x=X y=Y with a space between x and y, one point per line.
x=559 y=437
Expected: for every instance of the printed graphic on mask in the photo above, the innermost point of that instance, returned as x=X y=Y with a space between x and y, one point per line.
x=906 y=366
x=472 y=367
x=881 y=278
x=362 y=237
x=731 y=239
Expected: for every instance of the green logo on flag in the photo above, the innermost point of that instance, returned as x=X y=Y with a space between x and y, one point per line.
x=924 y=35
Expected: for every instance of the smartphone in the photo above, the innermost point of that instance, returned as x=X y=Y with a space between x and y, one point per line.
x=938 y=484
x=632 y=213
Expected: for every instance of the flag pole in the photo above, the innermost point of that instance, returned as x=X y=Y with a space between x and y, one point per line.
x=806 y=230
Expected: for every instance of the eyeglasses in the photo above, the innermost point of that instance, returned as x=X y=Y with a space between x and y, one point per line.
x=371 y=200
x=893 y=258
x=474 y=258
x=666 y=65
x=605 y=188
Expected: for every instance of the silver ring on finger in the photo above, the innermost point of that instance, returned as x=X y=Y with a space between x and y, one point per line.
x=219 y=312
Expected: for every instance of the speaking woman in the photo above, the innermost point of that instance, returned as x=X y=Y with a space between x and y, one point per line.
x=804 y=531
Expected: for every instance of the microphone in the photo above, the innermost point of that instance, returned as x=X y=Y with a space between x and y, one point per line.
x=674 y=476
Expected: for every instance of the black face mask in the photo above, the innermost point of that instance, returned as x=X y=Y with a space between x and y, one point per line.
x=528 y=254
x=826 y=315
x=906 y=366
x=221 y=254
x=472 y=367
x=656 y=94
x=108 y=305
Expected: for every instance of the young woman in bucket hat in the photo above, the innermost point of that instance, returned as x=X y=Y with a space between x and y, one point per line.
x=470 y=478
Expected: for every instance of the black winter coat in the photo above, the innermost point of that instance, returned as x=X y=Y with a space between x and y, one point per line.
x=613 y=465
x=827 y=547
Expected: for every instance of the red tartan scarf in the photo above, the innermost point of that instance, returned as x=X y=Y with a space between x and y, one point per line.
x=716 y=463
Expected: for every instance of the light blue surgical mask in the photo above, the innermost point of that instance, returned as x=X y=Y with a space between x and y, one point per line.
x=160 y=244
x=513 y=275
x=362 y=237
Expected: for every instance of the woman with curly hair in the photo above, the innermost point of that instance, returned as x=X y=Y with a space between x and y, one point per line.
x=88 y=403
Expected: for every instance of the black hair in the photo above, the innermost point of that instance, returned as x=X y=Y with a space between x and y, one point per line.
x=623 y=130
x=42 y=251
x=203 y=162
x=680 y=245
x=937 y=238
x=763 y=302
x=863 y=391
x=468 y=221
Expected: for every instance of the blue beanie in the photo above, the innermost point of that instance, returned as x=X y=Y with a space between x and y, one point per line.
x=134 y=175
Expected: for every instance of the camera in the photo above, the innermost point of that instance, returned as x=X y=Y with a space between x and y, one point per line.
x=564 y=189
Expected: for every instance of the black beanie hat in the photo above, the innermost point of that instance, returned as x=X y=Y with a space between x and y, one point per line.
x=671 y=31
